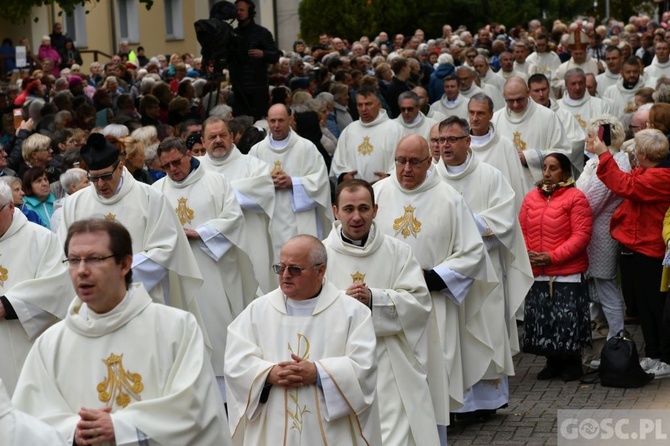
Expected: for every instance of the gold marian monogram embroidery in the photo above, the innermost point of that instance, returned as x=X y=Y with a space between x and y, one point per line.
x=110 y=216
x=297 y=414
x=277 y=168
x=4 y=275
x=184 y=213
x=407 y=224
x=519 y=143
x=358 y=277
x=366 y=148
x=581 y=122
x=630 y=107
x=120 y=384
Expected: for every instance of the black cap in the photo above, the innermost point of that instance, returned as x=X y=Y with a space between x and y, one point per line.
x=98 y=152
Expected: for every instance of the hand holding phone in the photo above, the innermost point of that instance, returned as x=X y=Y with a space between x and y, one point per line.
x=605 y=134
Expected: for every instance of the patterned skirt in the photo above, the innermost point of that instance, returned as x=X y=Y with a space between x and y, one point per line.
x=557 y=320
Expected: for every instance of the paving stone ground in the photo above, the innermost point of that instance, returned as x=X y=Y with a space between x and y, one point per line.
x=533 y=408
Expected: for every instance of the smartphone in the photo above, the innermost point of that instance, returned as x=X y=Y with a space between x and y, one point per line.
x=605 y=134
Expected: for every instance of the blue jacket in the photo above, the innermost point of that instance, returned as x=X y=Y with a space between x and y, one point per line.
x=436 y=85
x=43 y=209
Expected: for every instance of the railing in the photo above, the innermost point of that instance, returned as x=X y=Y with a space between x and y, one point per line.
x=96 y=54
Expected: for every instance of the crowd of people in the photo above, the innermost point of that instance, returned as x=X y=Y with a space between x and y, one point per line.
x=345 y=243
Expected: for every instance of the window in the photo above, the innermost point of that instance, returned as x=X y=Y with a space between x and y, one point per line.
x=128 y=22
x=174 y=21
x=75 y=26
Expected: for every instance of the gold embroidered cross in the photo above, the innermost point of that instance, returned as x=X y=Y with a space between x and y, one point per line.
x=407 y=224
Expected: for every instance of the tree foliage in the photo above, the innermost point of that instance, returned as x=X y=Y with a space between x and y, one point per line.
x=19 y=10
x=355 y=18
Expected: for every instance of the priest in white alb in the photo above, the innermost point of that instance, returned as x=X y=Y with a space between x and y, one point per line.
x=302 y=189
x=578 y=102
x=622 y=95
x=491 y=200
x=412 y=120
x=300 y=361
x=34 y=285
x=494 y=149
x=451 y=102
x=430 y=216
x=535 y=130
x=365 y=147
x=162 y=260
x=382 y=273
x=120 y=369
x=254 y=189
x=213 y=222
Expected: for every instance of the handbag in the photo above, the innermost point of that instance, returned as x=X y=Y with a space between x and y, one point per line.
x=620 y=364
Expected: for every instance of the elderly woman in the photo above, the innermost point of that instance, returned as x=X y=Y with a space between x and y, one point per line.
x=38 y=197
x=14 y=184
x=37 y=152
x=72 y=180
x=556 y=223
x=637 y=224
x=603 y=250
x=48 y=51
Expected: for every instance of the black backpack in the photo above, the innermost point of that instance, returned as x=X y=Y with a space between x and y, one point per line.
x=620 y=364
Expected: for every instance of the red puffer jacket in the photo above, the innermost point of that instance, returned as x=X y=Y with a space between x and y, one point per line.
x=560 y=225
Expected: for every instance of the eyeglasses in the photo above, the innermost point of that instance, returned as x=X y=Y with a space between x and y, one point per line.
x=518 y=100
x=43 y=149
x=74 y=262
x=293 y=271
x=173 y=163
x=450 y=139
x=407 y=109
x=105 y=176
x=412 y=161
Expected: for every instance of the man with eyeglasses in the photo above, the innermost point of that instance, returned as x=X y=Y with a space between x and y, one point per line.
x=120 y=369
x=34 y=287
x=491 y=200
x=535 y=130
x=215 y=227
x=4 y=170
x=382 y=273
x=365 y=147
x=301 y=361
x=253 y=186
x=429 y=215
x=163 y=260
x=412 y=121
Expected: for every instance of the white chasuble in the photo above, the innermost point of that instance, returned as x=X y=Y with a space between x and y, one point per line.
x=145 y=361
x=401 y=313
x=255 y=191
x=156 y=233
x=584 y=109
x=36 y=284
x=491 y=200
x=622 y=100
x=367 y=147
x=436 y=222
x=420 y=126
x=205 y=202
x=306 y=208
x=339 y=337
x=458 y=107
x=536 y=132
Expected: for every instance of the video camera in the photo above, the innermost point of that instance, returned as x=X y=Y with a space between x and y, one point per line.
x=220 y=44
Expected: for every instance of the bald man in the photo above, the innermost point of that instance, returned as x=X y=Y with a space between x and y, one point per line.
x=535 y=130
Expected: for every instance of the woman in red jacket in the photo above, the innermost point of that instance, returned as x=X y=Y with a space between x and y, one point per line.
x=556 y=222
x=638 y=225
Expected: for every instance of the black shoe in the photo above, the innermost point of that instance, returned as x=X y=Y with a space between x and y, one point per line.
x=551 y=370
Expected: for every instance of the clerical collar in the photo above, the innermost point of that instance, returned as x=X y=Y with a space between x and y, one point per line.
x=455 y=170
x=280 y=145
x=481 y=140
x=304 y=307
x=415 y=121
x=360 y=242
x=448 y=102
x=628 y=86
x=194 y=166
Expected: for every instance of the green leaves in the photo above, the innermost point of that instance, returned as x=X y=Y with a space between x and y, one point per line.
x=17 y=11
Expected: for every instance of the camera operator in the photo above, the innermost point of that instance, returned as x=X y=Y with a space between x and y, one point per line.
x=249 y=76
